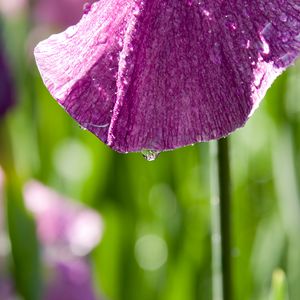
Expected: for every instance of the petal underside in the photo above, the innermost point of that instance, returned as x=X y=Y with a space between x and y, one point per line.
x=164 y=74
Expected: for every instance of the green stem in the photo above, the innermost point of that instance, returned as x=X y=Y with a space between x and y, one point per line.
x=221 y=220
x=225 y=216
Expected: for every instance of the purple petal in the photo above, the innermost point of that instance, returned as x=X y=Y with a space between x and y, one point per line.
x=164 y=74
x=62 y=223
x=71 y=281
x=7 y=290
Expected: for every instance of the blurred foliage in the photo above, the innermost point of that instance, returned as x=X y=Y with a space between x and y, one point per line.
x=279 y=286
x=156 y=242
x=24 y=245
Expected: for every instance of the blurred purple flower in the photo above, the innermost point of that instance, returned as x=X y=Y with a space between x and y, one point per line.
x=6 y=85
x=54 y=13
x=7 y=291
x=71 y=280
x=12 y=8
x=63 y=225
x=59 y=13
x=164 y=74
x=68 y=231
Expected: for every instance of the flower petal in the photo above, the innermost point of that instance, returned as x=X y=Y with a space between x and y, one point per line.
x=164 y=74
x=79 y=66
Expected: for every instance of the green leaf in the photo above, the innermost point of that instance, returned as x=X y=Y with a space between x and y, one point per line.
x=279 y=290
x=24 y=244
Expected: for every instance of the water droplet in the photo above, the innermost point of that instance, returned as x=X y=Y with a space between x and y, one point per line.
x=283 y=17
x=110 y=57
x=120 y=42
x=267 y=30
x=233 y=26
x=265 y=45
x=285 y=37
x=97 y=126
x=102 y=39
x=248 y=44
x=130 y=48
x=86 y=8
x=206 y=12
x=71 y=31
x=136 y=11
x=230 y=22
x=215 y=54
x=150 y=155
x=285 y=60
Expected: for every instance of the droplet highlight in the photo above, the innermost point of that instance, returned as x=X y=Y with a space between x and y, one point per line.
x=150 y=155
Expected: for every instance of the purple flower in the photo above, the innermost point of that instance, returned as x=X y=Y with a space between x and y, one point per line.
x=63 y=226
x=12 y=8
x=68 y=231
x=60 y=13
x=6 y=85
x=7 y=290
x=159 y=75
x=71 y=280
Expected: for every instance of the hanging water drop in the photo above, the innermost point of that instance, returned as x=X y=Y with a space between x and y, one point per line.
x=150 y=155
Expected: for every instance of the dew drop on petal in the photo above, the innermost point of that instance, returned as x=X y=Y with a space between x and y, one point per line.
x=265 y=45
x=285 y=37
x=285 y=60
x=102 y=39
x=86 y=8
x=150 y=155
x=283 y=17
x=136 y=11
x=267 y=30
x=71 y=31
x=215 y=54
x=248 y=44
